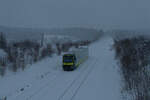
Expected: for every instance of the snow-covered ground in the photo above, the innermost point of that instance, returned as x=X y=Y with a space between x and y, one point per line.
x=2 y=53
x=96 y=79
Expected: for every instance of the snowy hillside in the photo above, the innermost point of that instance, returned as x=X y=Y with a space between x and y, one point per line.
x=96 y=79
x=122 y=34
x=48 y=38
x=14 y=33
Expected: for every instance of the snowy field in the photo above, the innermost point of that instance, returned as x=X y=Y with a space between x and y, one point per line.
x=96 y=79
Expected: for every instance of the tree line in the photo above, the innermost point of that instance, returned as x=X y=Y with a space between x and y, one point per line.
x=133 y=55
x=22 y=53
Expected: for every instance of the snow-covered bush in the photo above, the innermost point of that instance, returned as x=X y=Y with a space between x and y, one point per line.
x=3 y=54
x=23 y=53
x=3 y=61
x=46 y=51
x=3 y=57
x=3 y=42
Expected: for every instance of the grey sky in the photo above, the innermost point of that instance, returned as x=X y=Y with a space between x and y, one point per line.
x=107 y=14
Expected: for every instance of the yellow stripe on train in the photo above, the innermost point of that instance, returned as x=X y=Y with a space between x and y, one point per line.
x=67 y=63
x=81 y=61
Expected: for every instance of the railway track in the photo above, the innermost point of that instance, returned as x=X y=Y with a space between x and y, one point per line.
x=71 y=83
x=67 y=81
x=74 y=87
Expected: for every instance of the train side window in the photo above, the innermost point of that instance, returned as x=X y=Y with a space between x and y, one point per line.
x=74 y=58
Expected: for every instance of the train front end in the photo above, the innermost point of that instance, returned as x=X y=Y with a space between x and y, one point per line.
x=69 y=62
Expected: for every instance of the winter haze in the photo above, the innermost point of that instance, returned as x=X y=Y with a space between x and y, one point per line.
x=108 y=14
x=74 y=49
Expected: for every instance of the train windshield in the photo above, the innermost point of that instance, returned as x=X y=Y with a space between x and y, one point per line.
x=68 y=58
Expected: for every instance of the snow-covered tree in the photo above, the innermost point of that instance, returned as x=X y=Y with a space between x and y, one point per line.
x=3 y=42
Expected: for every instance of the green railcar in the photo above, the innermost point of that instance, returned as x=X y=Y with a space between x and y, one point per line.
x=73 y=59
x=69 y=62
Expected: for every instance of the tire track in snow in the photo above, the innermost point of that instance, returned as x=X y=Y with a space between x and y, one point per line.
x=46 y=85
x=26 y=86
x=52 y=77
x=21 y=90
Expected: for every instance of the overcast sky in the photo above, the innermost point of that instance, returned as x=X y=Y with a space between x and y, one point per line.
x=108 y=14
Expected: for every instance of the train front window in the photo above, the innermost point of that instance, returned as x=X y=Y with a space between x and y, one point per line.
x=68 y=59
